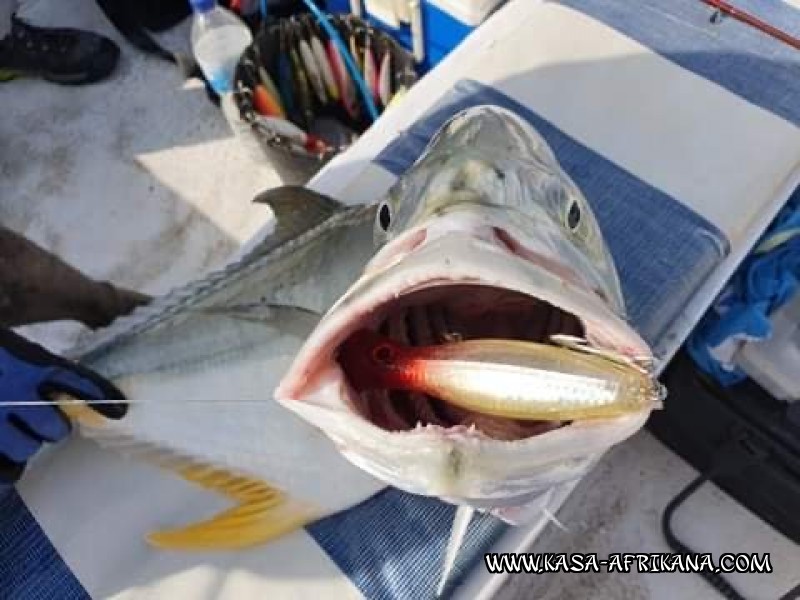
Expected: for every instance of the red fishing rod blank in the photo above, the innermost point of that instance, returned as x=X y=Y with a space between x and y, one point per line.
x=754 y=21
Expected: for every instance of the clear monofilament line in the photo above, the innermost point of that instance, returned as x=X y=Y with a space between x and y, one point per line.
x=71 y=401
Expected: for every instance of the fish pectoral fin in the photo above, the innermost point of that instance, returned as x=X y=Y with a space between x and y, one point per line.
x=262 y=513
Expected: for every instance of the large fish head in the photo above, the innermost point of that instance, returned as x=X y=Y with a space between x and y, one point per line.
x=485 y=236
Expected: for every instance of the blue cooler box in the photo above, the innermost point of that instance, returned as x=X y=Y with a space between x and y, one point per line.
x=444 y=23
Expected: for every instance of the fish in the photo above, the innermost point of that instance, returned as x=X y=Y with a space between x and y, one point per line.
x=222 y=343
x=484 y=236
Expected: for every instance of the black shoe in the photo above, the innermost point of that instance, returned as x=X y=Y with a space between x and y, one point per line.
x=68 y=56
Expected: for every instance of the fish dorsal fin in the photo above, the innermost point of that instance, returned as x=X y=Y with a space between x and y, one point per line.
x=261 y=512
x=298 y=207
x=297 y=198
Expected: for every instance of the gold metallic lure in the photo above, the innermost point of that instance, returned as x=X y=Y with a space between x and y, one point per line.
x=505 y=378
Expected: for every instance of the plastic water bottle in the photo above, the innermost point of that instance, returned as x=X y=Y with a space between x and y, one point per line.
x=218 y=39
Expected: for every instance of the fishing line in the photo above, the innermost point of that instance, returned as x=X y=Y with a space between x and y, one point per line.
x=70 y=401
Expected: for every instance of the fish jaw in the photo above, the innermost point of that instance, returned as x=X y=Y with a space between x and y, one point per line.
x=455 y=259
x=460 y=464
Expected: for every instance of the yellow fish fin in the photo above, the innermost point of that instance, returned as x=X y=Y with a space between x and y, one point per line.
x=81 y=413
x=261 y=514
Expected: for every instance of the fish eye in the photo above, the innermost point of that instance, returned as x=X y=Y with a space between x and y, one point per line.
x=573 y=216
x=385 y=216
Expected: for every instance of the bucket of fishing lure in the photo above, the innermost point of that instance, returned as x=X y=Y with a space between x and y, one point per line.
x=298 y=96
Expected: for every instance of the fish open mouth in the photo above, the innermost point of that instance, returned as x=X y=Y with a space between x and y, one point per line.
x=458 y=287
x=452 y=312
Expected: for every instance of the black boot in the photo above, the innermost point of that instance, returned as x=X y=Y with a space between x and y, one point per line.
x=67 y=56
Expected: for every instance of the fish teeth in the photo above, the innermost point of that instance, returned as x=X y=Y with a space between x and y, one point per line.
x=382 y=411
x=420 y=324
x=397 y=328
x=438 y=324
x=423 y=409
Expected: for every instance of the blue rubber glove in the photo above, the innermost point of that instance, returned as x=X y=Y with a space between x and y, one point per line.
x=30 y=373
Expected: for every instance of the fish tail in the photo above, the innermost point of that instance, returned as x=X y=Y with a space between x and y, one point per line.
x=261 y=512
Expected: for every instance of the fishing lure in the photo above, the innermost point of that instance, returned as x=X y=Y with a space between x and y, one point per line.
x=324 y=65
x=285 y=80
x=343 y=80
x=266 y=104
x=272 y=90
x=370 y=70
x=304 y=94
x=311 y=67
x=355 y=53
x=385 y=76
x=293 y=133
x=397 y=96
x=504 y=378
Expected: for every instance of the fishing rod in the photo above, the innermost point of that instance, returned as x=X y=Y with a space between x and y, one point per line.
x=728 y=9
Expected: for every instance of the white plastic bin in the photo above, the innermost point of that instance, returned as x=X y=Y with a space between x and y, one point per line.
x=429 y=28
x=469 y=12
x=775 y=363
